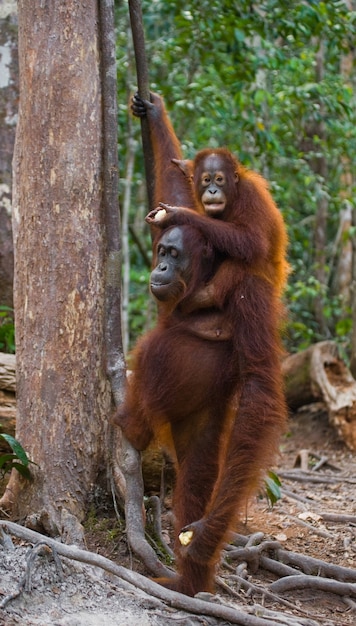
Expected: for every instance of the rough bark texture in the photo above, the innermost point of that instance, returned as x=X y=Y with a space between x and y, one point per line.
x=318 y=374
x=63 y=397
x=8 y=119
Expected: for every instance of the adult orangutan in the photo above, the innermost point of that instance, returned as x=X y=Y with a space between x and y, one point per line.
x=181 y=391
x=218 y=405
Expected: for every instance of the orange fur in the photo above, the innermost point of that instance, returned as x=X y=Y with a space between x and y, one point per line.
x=223 y=400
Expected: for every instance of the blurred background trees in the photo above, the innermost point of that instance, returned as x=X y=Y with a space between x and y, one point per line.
x=275 y=83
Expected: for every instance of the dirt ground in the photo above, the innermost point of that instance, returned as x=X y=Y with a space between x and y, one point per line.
x=85 y=596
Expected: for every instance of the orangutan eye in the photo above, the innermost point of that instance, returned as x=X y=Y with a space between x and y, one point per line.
x=174 y=252
x=220 y=179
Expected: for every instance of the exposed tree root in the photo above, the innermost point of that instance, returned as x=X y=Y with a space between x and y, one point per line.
x=179 y=601
x=314 y=582
x=306 y=564
x=41 y=549
x=134 y=513
x=306 y=573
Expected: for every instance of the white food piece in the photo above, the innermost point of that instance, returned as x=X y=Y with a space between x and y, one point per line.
x=185 y=538
x=160 y=215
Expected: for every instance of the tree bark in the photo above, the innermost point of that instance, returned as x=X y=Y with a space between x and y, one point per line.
x=63 y=397
x=8 y=117
x=320 y=167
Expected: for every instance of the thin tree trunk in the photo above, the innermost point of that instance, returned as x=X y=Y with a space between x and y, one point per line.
x=348 y=181
x=125 y=237
x=8 y=115
x=353 y=300
x=63 y=397
x=319 y=165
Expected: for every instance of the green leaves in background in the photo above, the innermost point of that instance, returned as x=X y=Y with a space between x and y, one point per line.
x=7 y=330
x=246 y=75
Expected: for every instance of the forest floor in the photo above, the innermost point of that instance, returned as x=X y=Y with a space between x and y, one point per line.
x=85 y=596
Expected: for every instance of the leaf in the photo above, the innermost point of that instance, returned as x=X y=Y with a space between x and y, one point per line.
x=275 y=478
x=24 y=471
x=5 y=458
x=273 y=484
x=17 y=448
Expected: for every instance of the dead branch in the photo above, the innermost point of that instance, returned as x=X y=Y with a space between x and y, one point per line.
x=335 y=517
x=306 y=457
x=310 y=527
x=310 y=477
x=319 y=374
x=338 y=518
x=290 y=495
x=292 y=620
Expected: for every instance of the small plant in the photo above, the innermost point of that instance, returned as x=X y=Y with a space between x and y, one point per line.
x=16 y=459
x=272 y=491
x=7 y=329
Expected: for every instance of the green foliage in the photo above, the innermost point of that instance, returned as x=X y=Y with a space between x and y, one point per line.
x=246 y=75
x=17 y=459
x=272 y=488
x=140 y=313
x=7 y=329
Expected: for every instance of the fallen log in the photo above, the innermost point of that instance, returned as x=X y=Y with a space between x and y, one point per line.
x=7 y=372
x=318 y=374
x=7 y=396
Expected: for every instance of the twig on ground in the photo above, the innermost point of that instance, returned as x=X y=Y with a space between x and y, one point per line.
x=292 y=620
x=327 y=517
x=305 y=455
x=10 y=597
x=300 y=476
x=335 y=517
x=313 y=529
x=41 y=549
x=295 y=496
x=252 y=588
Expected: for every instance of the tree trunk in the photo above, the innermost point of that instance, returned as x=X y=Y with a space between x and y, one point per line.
x=8 y=116
x=63 y=398
x=319 y=166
